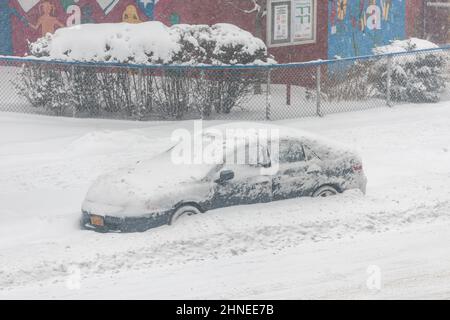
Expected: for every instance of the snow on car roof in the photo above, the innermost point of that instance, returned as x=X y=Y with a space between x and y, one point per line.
x=231 y=130
x=235 y=130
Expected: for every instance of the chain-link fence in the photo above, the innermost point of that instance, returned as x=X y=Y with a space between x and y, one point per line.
x=105 y=90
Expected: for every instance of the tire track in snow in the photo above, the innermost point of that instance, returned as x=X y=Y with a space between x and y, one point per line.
x=218 y=234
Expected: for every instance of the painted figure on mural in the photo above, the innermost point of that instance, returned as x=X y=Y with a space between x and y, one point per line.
x=6 y=14
x=148 y=7
x=386 y=7
x=342 y=9
x=47 y=22
x=130 y=15
x=362 y=15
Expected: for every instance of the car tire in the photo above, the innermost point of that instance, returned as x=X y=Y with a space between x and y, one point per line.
x=325 y=191
x=183 y=211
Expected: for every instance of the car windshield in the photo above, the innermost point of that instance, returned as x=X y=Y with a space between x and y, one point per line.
x=205 y=158
x=188 y=161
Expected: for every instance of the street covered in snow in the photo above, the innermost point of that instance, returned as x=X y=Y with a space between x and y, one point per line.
x=295 y=249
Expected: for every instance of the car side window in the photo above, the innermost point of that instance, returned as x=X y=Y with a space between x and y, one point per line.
x=245 y=161
x=291 y=151
x=255 y=156
x=310 y=153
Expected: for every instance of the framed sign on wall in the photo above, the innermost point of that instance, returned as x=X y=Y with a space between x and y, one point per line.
x=291 y=22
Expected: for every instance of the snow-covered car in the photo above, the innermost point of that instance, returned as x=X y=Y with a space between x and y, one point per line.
x=288 y=164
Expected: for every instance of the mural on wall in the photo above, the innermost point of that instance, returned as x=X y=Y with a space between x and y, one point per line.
x=48 y=21
x=27 y=5
x=6 y=36
x=22 y=21
x=148 y=7
x=357 y=26
x=81 y=13
x=130 y=15
x=107 y=5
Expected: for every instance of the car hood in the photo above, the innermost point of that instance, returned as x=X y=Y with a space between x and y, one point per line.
x=150 y=186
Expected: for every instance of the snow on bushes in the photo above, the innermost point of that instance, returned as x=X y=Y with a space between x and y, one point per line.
x=149 y=42
x=152 y=43
x=416 y=77
x=402 y=46
x=164 y=93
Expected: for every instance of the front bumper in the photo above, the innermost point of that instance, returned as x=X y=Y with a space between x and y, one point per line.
x=124 y=224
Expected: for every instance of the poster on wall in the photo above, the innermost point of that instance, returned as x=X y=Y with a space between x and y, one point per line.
x=281 y=12
x=293 y=22
x=356 y=27
x=303 y=20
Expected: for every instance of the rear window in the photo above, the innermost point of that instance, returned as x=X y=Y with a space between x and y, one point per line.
x=291 y=151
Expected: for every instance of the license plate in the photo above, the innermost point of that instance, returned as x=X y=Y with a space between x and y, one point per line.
x=97 y=221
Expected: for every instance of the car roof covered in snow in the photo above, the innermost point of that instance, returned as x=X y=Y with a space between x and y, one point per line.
x=231 y=130
x=244 y=129
x=249 y=128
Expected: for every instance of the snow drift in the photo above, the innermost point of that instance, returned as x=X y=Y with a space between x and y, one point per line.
x=152 y=43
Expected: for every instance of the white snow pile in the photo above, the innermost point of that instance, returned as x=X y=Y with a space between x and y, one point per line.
x=416 y=76
x=152 y=43
x=401 y=46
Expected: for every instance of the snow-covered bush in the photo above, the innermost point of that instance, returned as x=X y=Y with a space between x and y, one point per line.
x=45 y=88
x=167 y=92
x=417 y=77
x=218 y=45
x=143 y=43
x=152 y=43
x=347 y=82
x=223 y=90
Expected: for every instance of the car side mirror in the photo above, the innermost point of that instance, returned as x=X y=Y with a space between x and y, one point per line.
x=225 y=175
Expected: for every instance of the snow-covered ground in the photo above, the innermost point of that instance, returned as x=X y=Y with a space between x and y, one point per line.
x=300 y=248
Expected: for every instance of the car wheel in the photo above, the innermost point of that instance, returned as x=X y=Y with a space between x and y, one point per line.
x=325 y=191
x=184 y=211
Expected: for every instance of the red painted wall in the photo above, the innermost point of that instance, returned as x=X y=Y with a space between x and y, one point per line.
x=210 y=12
x=437 y=23
x=226 y=11
x=414 y=18
x=428 y=22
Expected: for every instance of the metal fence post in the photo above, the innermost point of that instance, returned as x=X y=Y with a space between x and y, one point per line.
x=140 y=92
x=288 y=94
x=202 y=77
x=268 y=95
x=74 y=108
x=318 y=91
x=389 y=81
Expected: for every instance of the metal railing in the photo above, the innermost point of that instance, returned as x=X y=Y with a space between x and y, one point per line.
x=248 y=92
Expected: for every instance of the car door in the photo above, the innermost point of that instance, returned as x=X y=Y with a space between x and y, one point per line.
x=293 y=178
x=248 y=186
